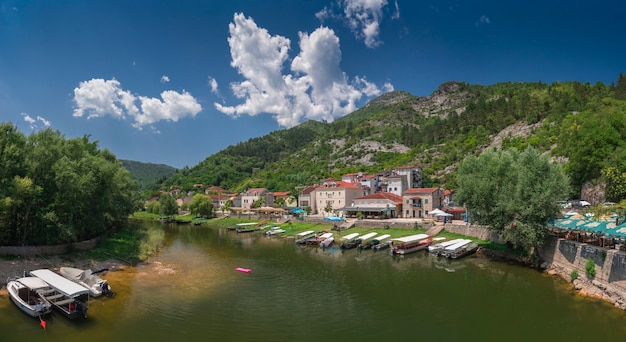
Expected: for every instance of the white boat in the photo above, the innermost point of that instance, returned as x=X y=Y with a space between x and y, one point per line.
x=96 y=285
x=63 y=294
x=301 y=238
x=26 y=293
x=350 y=237
x=364 y=240
x=462 y=251
x=439 y=246
x=327 y=242
x=275 y=230
x=410 y=244
x=446 y=251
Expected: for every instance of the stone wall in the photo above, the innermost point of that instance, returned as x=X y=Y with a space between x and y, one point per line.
x=481 y=232
x=609 y=283
x=30 y=251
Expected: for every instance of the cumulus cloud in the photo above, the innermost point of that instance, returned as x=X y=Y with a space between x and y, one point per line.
x=363 y=17
x=315 y=88
x=35 y=123
x=165 y=79
x=98 y=98
x=213 y=85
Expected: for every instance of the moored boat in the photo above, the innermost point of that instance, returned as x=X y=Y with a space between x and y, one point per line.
x=86 y=278
x=410 y=244
x=327 y=242
x=319 y=237
x=440 y=246
x=302 y=237
x=462 y=251
x=452 y=248
x=63 y=294
x=365 y=240
x=274 y=230
x=350 y=241
x=382 y=245
x=26 y=294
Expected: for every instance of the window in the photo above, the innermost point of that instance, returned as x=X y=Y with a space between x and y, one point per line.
x=426 y=201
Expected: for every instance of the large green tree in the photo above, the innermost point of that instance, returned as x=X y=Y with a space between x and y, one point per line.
x=201 y=205
x=54 y=189
x=514 y=193
x=167 y=205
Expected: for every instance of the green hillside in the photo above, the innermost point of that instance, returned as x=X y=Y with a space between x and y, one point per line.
x=580 y=124
x=148 y=175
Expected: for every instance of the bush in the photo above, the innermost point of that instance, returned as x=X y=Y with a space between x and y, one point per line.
x=573 y=275
x=590 y=268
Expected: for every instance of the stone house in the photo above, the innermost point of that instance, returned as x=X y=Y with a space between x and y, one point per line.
x=418 y=202
x=334 y=195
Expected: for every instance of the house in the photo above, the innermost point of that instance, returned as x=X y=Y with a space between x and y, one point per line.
x=306 y=198
x=376 y=206
x=252 y=195
x=290 y=201
x=418 y=202
x=333 y=195
x=395 y=184
x=412 y=174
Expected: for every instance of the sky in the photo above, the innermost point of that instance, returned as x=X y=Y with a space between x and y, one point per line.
x=173 y=82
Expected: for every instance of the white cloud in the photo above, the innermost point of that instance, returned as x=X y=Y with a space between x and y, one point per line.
x=363 y=17
x=213 y=84
x=316 y=88
x=32 y=123
x=483 y=20
x=98 y=98
x=165 y=79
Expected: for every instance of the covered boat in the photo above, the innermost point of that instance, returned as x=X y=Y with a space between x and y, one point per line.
x=327 y=242
x=461 y=250
x=440 y=246
x=26 y=293
x=365 y=240
x=301 y=238
x=410 y=244
x=64 y=294
x=96 y=285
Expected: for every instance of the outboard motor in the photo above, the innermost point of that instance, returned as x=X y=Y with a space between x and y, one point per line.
x=106 y=289
x=80 y=307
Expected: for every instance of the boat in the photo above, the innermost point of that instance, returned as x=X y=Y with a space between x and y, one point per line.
x=410 y=244
x=327 y=242
x=449 y=249
x=350 y=241
x=25 y=293
x=461 y=250
x=301 y=238
x=378 y=240
x=382 y=245
x=275 y=230
x=96 y=285
x=63 y=294
x=364 y=243
x=247 y=230
x=319 y=237
x=440 y=246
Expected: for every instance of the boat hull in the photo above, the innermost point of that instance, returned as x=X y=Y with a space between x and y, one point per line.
x=28 y=300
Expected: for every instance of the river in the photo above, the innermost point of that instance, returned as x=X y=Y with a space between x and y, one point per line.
x=191 y=292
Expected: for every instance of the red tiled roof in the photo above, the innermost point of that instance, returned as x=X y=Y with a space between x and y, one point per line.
x=383 y=195
x=281 y=193
x=308 y=190
x=420 y=191
x=339 y=185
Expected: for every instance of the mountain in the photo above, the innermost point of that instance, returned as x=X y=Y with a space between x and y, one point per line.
x=434 y=132
x=148 y=175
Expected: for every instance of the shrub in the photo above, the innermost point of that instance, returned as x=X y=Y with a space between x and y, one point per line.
x=573 y=274
x=590 y=268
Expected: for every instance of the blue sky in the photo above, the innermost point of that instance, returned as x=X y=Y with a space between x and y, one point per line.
x=173 y=82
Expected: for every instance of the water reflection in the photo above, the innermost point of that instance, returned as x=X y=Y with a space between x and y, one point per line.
x=191 y=292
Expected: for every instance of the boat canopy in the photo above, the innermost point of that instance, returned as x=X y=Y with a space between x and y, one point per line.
x=459 y=244
x=61 y=284
x=33 y=283
x=326 y=235
x=305 y=233
x=382 y=237
x=449 y=243
x=350 y=236
x=412 y=238
x=368 y=236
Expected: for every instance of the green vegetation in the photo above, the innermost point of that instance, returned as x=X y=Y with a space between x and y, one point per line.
x=573 y=275
x=148 y=176
x=579 y=121
x=514 y=193
x=590 y=268
x=55 y=190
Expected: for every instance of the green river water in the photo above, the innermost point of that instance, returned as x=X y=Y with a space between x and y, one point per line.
x=191 y=292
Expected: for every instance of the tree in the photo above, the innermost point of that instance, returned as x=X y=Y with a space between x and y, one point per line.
x=514 y=193
x=280 y=202
x=168 y=205
x=201 y=205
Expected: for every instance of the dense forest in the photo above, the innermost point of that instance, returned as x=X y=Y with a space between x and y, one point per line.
x=148 y=175
x=580 y=124
x=55 y=190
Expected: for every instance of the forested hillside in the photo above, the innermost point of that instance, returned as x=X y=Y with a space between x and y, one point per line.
x=148 y=175
x=581 y=125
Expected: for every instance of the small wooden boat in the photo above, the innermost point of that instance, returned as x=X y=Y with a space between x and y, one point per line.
x=25 y=294
x=410 y=244
x=382 y=245
x=247 y=230
x=64 y=294
x=379 y=240
x=365 y=240
x=274 y=230
x=86 y=278
x=440 y=246
x=350 y=241
x=327 y=242
x=462 y=250
x=301 y=238
x=319 y=237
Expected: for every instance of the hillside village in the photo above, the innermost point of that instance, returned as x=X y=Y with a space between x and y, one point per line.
x=396 y=193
